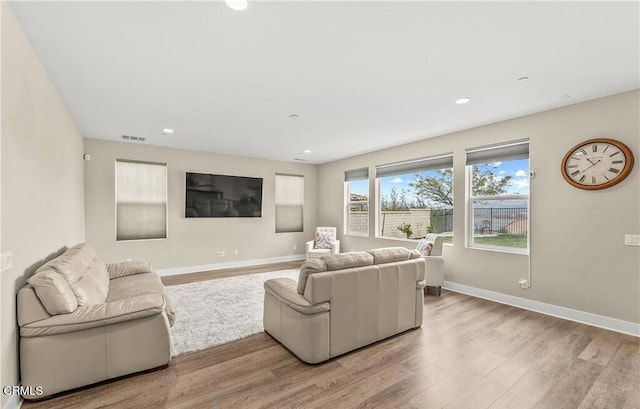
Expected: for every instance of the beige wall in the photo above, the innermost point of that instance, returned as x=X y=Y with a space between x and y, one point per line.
x=42 y=176
x=193 y=241
x=578 y=256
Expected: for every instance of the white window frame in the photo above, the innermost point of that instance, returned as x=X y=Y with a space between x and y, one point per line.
x=358 y=174
x=485 y=153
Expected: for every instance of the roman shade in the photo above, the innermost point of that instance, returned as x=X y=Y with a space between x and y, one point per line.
x=442 y=161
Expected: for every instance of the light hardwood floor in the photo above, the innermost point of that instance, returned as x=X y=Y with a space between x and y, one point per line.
x=470 y=353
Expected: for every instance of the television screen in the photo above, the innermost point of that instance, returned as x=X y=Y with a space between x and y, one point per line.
x=223 y=196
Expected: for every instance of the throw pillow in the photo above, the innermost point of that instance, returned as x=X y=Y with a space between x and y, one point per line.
x=424 y=247
x=325 y=239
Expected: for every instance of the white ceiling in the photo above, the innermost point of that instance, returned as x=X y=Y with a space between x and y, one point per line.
x=361 y=75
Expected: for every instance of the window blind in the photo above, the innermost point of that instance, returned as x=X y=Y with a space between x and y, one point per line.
x=442 y=161
x=356 y=174
x=289 y=203
x=498 y=152
x=141 y=200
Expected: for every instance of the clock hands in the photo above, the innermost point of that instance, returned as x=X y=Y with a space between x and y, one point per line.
x=592 y=164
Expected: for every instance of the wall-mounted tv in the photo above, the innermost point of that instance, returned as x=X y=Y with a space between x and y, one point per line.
x=222 y=196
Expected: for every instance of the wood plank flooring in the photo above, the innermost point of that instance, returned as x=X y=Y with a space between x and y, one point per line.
x=469 y=354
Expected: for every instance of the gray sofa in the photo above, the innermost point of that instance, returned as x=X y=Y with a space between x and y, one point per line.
x=345 y=301
x=83 y=321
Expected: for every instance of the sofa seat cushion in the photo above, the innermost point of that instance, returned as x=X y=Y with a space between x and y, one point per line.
x=92 y=316
x=140 y=284
x=392 y=254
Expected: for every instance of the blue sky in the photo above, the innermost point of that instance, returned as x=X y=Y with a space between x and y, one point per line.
x=517 y=169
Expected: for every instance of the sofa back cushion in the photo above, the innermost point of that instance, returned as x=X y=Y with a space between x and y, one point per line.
x=54 y=292
x=83 y=271
x=392 y=254
x=341 y=261
x=311 y=266
x=93 y=286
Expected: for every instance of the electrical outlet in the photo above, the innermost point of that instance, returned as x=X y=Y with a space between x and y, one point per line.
x=524 y=283
x=6 y=261
x=222 y=253
x=235 y=252
x=632 y=239
x=295 y=247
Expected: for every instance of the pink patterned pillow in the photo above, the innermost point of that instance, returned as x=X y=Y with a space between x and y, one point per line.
x=424 y=247
x=325 y=239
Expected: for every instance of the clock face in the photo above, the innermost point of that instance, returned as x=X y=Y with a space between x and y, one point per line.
x=597 y=164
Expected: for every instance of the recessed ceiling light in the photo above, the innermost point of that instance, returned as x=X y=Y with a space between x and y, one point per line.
x=237 y=4
x=462 y=100
x=294 y=116
x=306 y=151
x=167 y=131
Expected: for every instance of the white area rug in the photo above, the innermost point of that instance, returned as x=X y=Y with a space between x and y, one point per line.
x=215 y=312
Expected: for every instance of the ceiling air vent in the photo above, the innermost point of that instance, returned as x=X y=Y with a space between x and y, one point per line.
x=133 y=138
x=300 y=159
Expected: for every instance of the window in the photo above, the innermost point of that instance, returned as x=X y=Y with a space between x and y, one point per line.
x=289 y=203
x=416 y=198
x=357 y=199
x=499 y=196
x=141 y=200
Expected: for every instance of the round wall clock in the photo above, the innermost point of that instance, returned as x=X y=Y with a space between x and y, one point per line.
x=597 y=164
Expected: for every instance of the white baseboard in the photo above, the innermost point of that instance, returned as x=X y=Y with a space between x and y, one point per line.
x=231 y=264
x=13 y=402
x=613 y=324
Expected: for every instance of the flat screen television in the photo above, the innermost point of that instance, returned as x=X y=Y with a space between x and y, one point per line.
x=222 y=196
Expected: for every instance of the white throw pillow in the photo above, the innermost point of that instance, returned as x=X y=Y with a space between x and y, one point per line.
x=325 y=238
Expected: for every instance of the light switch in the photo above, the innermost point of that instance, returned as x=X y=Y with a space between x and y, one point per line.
x=632 y=239
x=6 y=261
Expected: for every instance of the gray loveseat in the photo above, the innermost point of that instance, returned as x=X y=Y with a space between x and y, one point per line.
x=83 y=321
x=345 y=301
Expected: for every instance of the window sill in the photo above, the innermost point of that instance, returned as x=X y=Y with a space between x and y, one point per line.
x=523 y=252
x=357 y=234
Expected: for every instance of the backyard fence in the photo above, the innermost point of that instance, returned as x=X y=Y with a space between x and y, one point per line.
x=490 y=220
x=507 y=220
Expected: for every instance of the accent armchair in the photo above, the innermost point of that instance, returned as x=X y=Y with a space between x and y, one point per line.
x=431 y=250
x=325 y=243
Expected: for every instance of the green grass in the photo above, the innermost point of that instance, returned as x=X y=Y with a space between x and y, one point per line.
x=503 y=240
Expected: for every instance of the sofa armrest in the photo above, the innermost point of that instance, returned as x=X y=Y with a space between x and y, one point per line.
x=127 y=268
x=309 y=245
x=335 y=249
x=285 y=291
x=100 y=315
x=434 y=275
